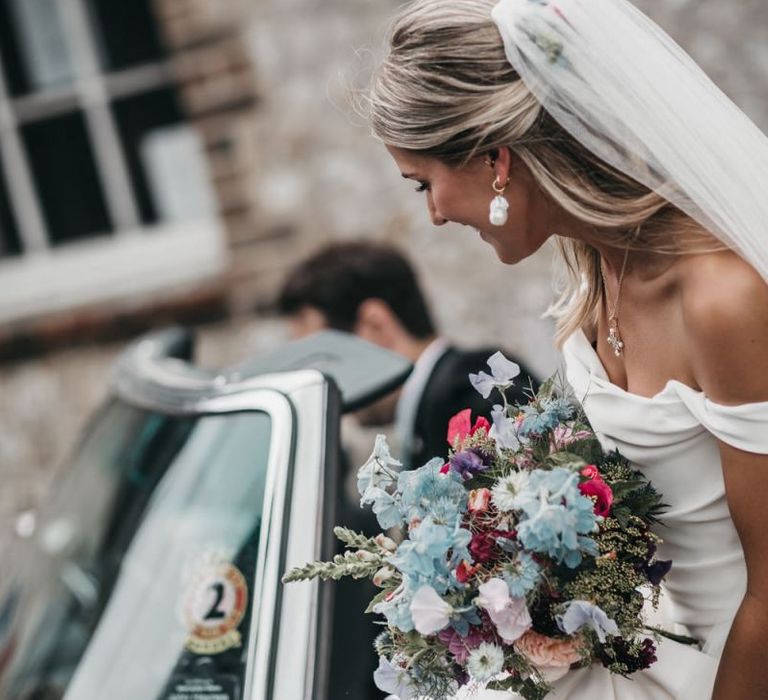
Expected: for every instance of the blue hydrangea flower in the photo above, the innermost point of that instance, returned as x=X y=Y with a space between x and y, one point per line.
x=521 y=575
x=425 y=490
x=397 y=609
x=431 y=553
x=386 y=508
x=548 y=415
x=556 y=516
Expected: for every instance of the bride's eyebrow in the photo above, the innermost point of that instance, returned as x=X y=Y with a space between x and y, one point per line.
x=409 y=176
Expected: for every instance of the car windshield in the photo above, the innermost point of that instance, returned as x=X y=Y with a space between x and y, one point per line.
x=141 y=579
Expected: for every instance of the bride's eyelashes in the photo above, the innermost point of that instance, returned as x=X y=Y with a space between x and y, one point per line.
x=422 y=187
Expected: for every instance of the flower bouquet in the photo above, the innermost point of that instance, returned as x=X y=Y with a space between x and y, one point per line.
x=528 y=552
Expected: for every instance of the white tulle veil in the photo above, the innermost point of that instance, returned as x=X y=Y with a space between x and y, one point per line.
x=630 y=94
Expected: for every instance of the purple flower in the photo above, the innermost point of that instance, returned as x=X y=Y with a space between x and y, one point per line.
x=657 y=571
x=468 y=463
x=460 y=646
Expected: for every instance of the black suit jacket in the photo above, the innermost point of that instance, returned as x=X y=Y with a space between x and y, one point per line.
x=448 y=391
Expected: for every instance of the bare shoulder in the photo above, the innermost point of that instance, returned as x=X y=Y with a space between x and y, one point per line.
x=725 y=314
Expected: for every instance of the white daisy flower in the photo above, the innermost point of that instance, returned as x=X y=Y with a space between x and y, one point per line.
x=506 y=489
x=485 y=662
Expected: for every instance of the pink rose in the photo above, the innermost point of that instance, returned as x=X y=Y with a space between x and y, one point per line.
x=597 y=490
x=591 y=472
x=479 y=500
x=552 y=657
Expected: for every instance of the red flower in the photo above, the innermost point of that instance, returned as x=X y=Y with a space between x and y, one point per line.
x=445 y=468
x=465 y=571
x=596 y=489
x=460 y=426
x=591 y=472
x=481 y=547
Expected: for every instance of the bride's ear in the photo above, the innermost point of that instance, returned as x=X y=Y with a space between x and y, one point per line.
x=500 y=160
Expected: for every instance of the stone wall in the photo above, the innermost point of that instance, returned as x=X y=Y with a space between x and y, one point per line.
x=308 y=172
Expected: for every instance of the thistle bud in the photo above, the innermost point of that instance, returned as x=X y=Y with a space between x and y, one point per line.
x=384 y=574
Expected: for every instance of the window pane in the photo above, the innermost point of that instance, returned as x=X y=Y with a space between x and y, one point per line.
x=9 y=234
x=165 y=158
x=127 y=32
x=65 y=174
x=160 y=519
x=34 y=46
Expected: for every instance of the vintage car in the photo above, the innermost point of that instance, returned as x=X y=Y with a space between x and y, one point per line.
x=153 y=572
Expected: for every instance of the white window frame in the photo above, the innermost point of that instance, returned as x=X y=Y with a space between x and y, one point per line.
x=134 y=259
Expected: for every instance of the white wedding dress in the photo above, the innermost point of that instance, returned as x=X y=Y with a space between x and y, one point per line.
x=671 y=437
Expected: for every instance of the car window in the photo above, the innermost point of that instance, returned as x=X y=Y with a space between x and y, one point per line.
x=142 y=579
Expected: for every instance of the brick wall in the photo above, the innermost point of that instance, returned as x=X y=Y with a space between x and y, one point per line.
x=266 y=84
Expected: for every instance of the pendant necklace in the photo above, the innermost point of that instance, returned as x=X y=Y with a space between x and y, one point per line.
x=614 y=337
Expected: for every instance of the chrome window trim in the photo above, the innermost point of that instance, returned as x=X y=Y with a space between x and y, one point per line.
x=295 y=469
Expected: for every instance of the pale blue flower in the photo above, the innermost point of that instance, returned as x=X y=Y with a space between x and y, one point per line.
x=580 y=613
x=386 y=508
x=376 y=472
x=504 y=429
x=394 y=680
x=425 y=490
x=397 y=609
x=431 y=553
x=548 y=415
x=503 y=371
x=556 y=516
x=522 y=575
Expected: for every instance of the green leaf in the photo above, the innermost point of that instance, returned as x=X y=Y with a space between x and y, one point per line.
x=566 y=460
x=378 y=598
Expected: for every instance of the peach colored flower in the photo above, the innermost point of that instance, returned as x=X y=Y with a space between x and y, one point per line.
x=551 y=657
x=478 y=500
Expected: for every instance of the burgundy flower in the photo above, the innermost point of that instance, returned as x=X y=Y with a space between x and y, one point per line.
x=459 y=646
x=481 y=546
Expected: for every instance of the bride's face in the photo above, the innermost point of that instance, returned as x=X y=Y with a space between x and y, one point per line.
x=463 y=195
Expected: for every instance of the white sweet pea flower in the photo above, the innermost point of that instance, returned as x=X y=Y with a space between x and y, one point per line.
x=510 y=615
x=503 y=371
x=376 y=472
x=429 y=611
x=504 y=429
x=394 y=680
x=579 y=613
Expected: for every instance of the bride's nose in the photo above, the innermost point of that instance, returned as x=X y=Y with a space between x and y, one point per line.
x=437 y=220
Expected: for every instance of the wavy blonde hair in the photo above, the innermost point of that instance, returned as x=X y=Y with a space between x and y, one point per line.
x=446 y=89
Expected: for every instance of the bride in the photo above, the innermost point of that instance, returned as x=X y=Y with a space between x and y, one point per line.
x=582 y=120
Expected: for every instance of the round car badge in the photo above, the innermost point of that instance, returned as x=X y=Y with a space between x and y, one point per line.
x=213 y=607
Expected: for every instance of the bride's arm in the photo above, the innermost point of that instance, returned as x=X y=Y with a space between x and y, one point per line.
x=728 y=326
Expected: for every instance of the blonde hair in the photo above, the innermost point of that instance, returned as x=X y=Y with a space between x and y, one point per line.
x=447 y=90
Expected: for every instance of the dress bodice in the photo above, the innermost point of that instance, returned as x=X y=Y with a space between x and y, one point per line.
x=673 y=438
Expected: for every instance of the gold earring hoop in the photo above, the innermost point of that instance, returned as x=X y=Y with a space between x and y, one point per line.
x=498 y=212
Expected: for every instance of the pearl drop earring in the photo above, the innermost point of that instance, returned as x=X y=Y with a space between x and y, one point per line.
x=498 y=213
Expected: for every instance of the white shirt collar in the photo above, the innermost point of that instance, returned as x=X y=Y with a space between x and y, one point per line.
x=413 y=389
